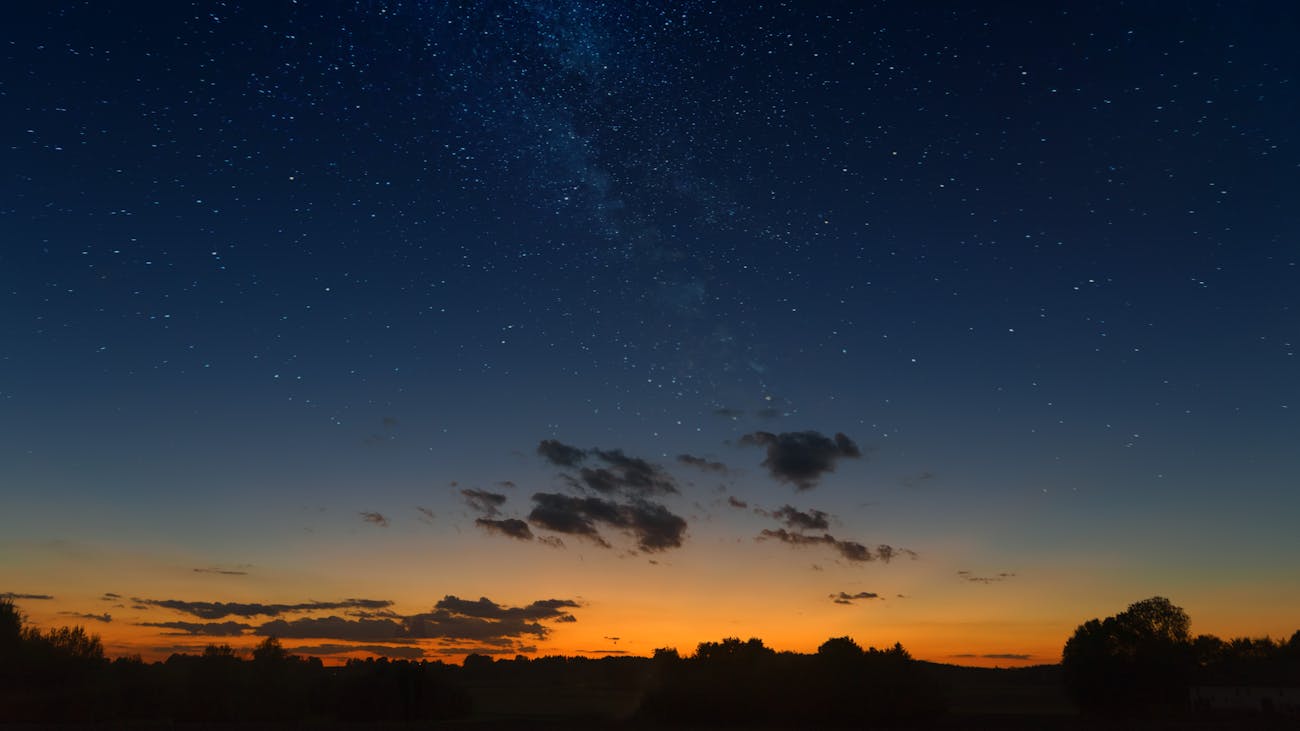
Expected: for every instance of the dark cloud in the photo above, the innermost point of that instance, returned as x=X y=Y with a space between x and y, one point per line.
x=452 y=618
x=768 y=412
x=14 y=595
x=375 y=518
x=483 y=620
x=426 y=515
x=225 y=572
x=702 y=463
x=205 y=629
x=844 y=597
x=487 y=503
x=968 y=576
x=620 y=473
x=507 y=483
x=218 y=610
x=632 y=475
x=565 y=514
x=334 y=628
x=729 y=413
x=801 y=458
x=850 y=550
x=736 y=502
x=110 y=596
x=105 y=617
x=795 y=519
x=512 y=527
x=486 y=608
x=560 y=454
x=653 y=525
x=400 y=652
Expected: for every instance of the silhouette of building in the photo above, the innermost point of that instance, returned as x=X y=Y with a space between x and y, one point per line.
x=1247 y=698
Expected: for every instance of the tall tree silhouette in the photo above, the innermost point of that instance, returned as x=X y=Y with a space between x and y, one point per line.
x=1140 y=659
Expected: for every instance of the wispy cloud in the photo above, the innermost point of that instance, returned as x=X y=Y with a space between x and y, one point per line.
x=849 y=550
x=487 y=503
x=374 y=519
x=993 y=579
x=702 y=464
x=844 y=597
x=223 y=572
x=105 y=617
x=795 y=519
x=510 y=527
x=218 y=610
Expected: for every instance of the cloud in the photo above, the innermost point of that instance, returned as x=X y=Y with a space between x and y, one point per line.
x=736 y=502
x=484 y=607
x=375 y=518
x=968 y=576
x=565 y=514
x=400 y=652
x=224 y=572
x=850 y=550
x=334 y=628
x=426 y=515
x=654 y=527
x=560 y=454
x=105 y=617
x=452 y=618
x=511 y=527
x=917 y=479
x=487 y=503
x=205 y=629
x=218 y=610
x=844 y=597
x=801 y=458
x=619 y=473
x=631 y=475
x=14 y=595
x=702 y=463
x=732 y=414
x=507 y=483
x=798 y=520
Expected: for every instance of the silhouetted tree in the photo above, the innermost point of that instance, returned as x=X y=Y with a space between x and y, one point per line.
x=1137 y=660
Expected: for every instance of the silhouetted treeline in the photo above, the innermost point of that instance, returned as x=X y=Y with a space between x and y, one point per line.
x=62 y=675
x=1144 y=660
x=735 y=682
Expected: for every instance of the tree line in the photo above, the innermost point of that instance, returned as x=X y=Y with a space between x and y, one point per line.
x=1141 y=661
x=1144 y=661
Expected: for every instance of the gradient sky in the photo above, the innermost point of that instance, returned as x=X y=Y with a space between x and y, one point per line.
x=328 y=319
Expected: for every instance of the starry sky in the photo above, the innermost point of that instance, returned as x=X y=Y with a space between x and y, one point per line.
x=413 y=329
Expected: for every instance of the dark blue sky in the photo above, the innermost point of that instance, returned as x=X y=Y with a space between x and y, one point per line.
x=340 y=254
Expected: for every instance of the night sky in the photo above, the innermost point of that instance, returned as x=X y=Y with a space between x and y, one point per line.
x=421 y=328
